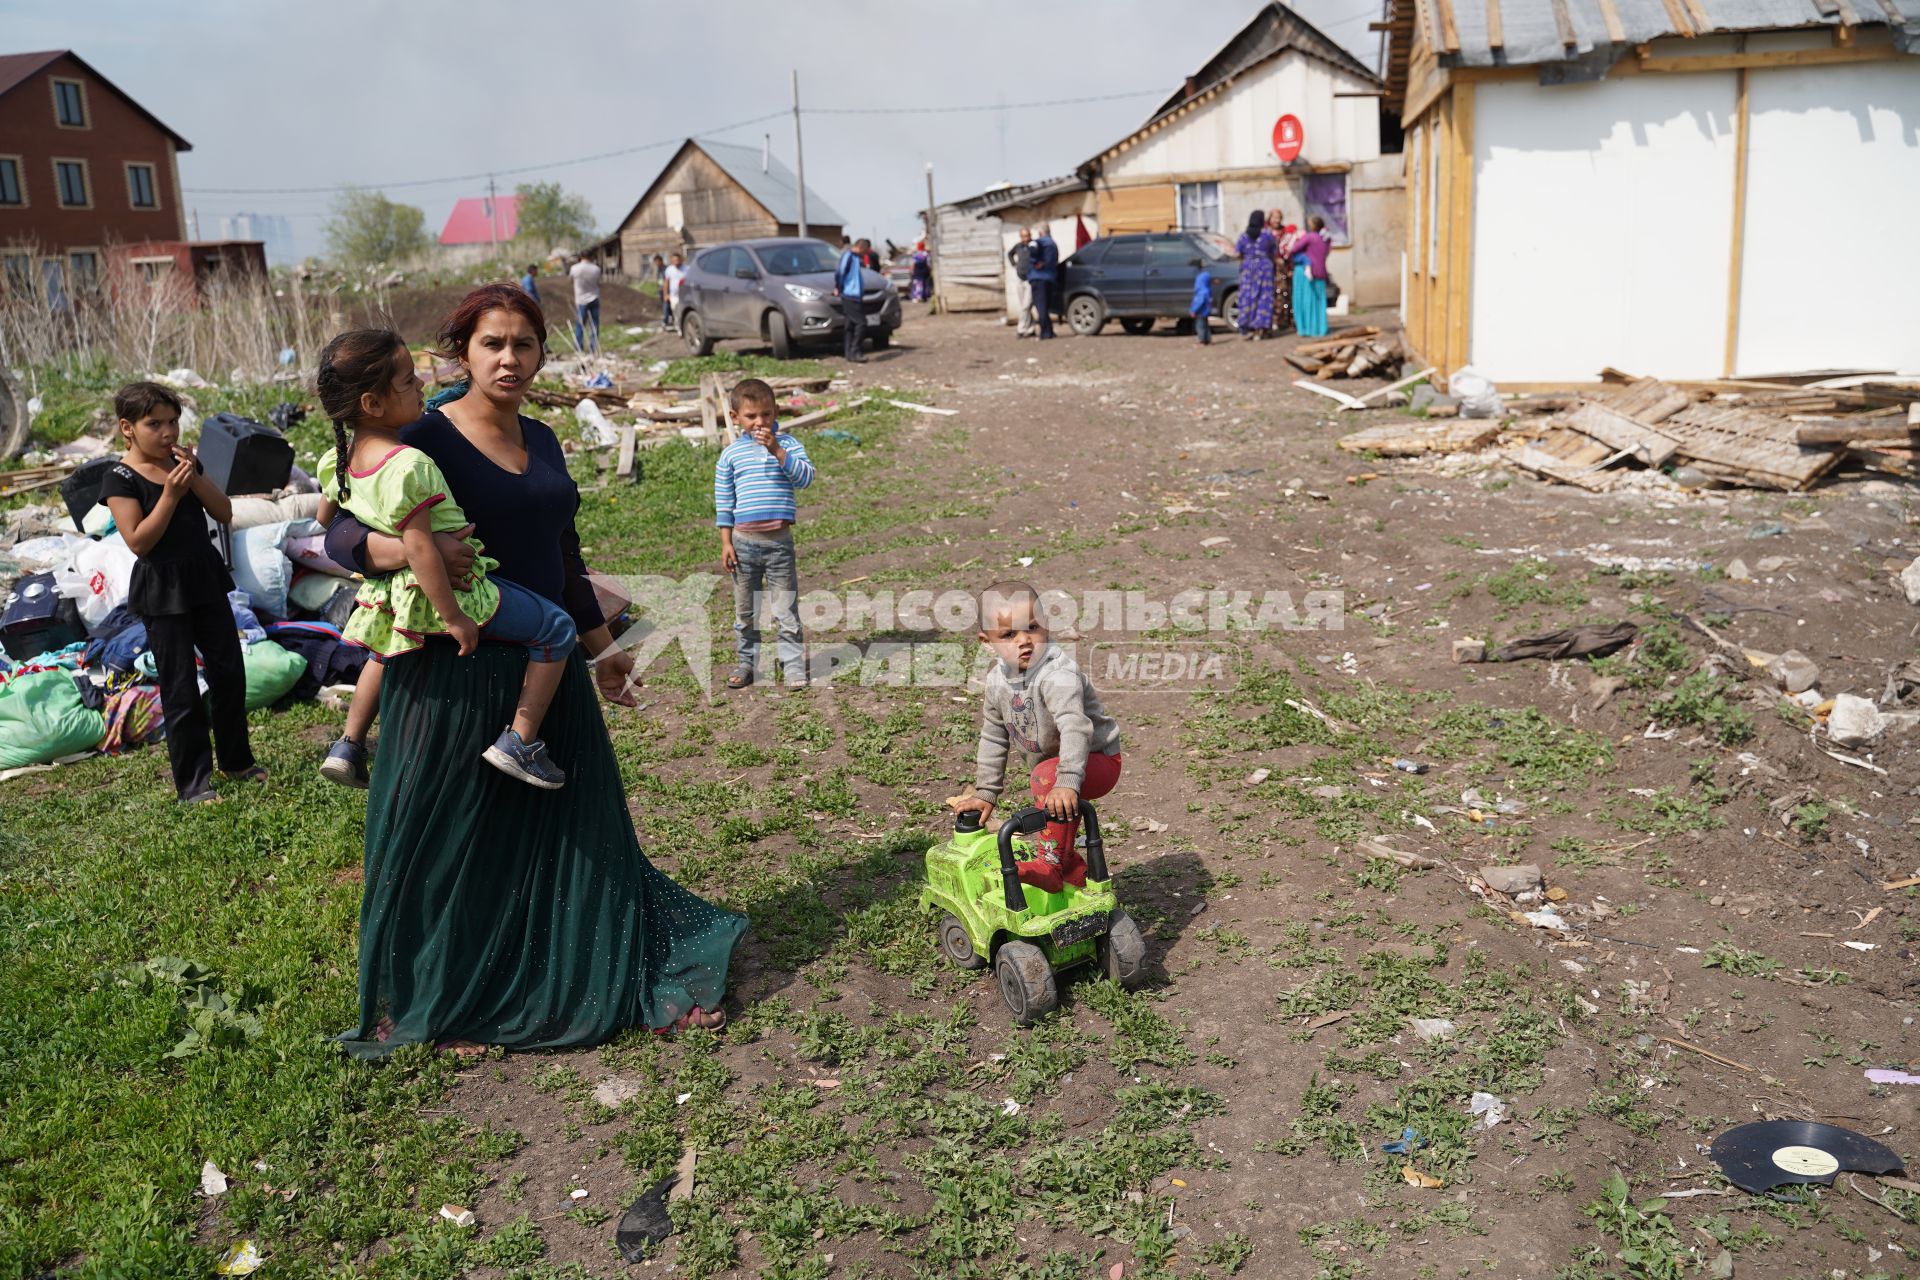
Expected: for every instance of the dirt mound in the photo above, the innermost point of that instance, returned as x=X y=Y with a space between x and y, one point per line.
x=417 y=312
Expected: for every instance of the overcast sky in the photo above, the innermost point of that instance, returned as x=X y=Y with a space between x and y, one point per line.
x=317 y=95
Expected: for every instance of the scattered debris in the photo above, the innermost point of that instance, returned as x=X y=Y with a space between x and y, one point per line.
x=1377 y=847
x=1414 y=1178
x=1258 y=776
x=1406 y=1144
x=1854 y=721
x=1759 y=1156
x=1431 y=1029
x=1794 y=671
x=212 y=1181
x=645 y=1223
x=1513 y=881
x=240 y=1259
x=1412 y=439
x=1466 y=649
x=682 y=1188
x=1410 y=766
x=1878 y=1075
x=1594 y=640
x=1547 y=918
x=1152 y=826
x=458 y=1214
x=1705 y=1053
x=1489 y=1108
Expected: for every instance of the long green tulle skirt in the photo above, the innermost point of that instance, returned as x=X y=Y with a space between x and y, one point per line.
x=503 y=914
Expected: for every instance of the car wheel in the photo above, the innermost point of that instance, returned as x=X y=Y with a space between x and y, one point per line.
x=1026 y=981
x=882 y=338
x=777 y=336
x=956 y=946
x=1087 y=314
x=1230 y=309
x=693 y=332
x=1137 y=325
x=1123 y=951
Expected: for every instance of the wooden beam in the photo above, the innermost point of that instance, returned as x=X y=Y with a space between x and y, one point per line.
x=1736 y=252
x=1460 y=235
x=1616 y=34
x=1677 y=17
x=1564 y=22
x=1496 y=38
x=1784 y=58
x=1452 y=36
x=1701 y=22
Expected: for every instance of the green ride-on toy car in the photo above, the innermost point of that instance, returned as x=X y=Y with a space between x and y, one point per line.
x=1026 y=933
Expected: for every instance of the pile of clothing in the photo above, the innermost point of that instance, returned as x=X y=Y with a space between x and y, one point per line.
x=76 y=677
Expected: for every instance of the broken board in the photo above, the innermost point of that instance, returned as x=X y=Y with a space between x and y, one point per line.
x=1397 y=440
x=1569 y=457
x=1621 y=433
x=1756 y=449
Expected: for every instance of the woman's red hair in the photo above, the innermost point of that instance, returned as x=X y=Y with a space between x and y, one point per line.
x=456 y=331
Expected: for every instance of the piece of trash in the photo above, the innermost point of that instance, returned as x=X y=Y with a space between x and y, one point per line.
x=1024 y=561
x=241 y=1259
x=1377 y=847
x=1431 y=1029
x=1721 y=1268
x=1513 y=881
x=1466 y=649
x=1406 y=1144
x=1178 y=1183
x=645 y=1222
x=1854 y=721
x=598 y=382
x=1215 y=542
x=835 y=433
x=1489 y=1108
x=212 y=1181
x=1594 y=640
x=459 y=1215
x=1660 y=735
x=1008 y=1107
x=1859 y=946
x=1880 y=1075
x=1544 y=919
x=1414 y=1178
x=1767 y=529
x=1793 y=671
x=578 y=1193
x=1766 y=1153
x=1410 y=766
x=1152 y=826
x=1258 y=776
x=683 y=1176
x=681 y=1100
x=1117 y=1270
x=615 y=1090
x=825 y=1084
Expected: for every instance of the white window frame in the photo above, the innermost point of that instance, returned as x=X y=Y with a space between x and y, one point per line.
x=153 y=185
x=86 y=108
x=20 y=177
x=86 y=180
x=1180 y=205
x=154 y=270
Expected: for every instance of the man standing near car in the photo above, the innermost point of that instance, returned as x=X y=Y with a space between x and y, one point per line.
x=1021 y=258
x=1043 y=272
x=848 y=285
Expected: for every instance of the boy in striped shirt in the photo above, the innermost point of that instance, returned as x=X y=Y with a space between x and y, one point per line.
x=753 y=486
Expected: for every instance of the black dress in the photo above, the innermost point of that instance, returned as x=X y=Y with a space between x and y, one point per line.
x=181 y=572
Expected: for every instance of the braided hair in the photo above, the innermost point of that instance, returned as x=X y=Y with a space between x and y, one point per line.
x=357 y=363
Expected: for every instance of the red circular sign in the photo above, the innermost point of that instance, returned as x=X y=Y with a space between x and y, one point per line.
x=1288 y=137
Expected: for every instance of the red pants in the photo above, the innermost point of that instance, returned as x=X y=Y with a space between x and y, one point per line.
x=1059 y=862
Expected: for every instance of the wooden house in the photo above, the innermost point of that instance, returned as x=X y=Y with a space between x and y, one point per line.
x=1679 y=188
x=971 y=238
x=711 y=192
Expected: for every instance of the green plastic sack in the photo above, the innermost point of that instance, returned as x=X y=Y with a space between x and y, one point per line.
x=271 y=671
x=42 y=719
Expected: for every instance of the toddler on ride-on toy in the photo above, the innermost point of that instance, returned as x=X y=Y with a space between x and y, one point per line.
x=1039 y=701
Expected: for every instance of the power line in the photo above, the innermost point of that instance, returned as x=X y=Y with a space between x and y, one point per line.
x=664 y=142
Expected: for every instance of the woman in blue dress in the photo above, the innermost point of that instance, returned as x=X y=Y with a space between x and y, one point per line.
x=1256 y=247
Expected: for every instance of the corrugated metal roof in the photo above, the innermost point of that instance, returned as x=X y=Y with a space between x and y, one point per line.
x=775 y=187
x=1010 y=196
x=1595 y=32
x=469 y=221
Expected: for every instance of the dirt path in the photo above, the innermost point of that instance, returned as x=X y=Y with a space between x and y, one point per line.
x=1711 y=876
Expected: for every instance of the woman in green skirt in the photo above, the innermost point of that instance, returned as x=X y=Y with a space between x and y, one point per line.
x=495 y=913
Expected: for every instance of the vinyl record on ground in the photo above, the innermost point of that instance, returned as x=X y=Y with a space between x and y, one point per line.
x=1768 y=1153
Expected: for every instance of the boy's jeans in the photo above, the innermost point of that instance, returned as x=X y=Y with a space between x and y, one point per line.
x=1201 y=327
x=769 y=573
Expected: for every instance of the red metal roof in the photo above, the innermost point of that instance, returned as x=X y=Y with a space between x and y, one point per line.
x=467 y=224
x=18 y=67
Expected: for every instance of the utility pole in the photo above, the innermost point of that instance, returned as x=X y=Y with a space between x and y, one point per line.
x=196 y=224
x=493 y=216
x=799 y=155
x=933 y=240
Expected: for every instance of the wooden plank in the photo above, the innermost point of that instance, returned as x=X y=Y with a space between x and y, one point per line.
x=1496 y=38
x=1677 y=18
x=1529 y=458
x=1403 y=440
x=1701 y=22
x=1616 y=34
x=1563 y=21
x=1737 y=252
x=1346 y=401
x=1379 y=392
x=1460 y=233
x=1784 y=58
x=1451 y=42
x=1649 y=401
x=1760 y=449
x=624 y=467
x=1620 y=432
x=709 y=410
x=1841 y=431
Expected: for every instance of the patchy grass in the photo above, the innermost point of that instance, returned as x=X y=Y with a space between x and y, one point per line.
x=688 y=370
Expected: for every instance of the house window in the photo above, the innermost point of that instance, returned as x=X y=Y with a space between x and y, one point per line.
x=16 y=269
x=70 y=179
x=1200 y=206
x=84 y=266
x=153 y=270
x=140 y=189
x=70 y=104
x=11 y=190
x=1326 y=195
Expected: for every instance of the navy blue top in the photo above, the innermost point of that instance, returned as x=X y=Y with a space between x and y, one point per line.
x=524 y=521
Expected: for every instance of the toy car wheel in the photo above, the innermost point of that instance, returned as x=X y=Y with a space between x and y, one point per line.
x=957 y=946
x=1123 y=951
x=1026 y=981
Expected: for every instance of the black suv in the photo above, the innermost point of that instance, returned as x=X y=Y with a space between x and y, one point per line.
x=1137 y=279
x=779 y=291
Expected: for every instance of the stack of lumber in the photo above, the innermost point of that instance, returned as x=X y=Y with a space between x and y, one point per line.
x=1351 y=353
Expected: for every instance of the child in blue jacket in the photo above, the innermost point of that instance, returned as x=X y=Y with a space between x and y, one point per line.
x=1201 y=308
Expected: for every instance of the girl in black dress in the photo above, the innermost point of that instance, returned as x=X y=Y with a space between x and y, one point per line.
x=160 y=499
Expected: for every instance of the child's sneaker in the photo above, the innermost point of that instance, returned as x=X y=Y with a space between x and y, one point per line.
x=527 y=761
x=346 y=764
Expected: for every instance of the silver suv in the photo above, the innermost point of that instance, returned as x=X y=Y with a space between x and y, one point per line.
x=779 y=291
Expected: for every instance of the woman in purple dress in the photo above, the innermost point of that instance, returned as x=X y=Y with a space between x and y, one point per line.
x=1256 y=248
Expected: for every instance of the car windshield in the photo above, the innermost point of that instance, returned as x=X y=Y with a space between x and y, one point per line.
x=1214 y=246
x=804 y=259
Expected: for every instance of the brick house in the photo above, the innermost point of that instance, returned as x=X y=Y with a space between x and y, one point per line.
x=83 y=169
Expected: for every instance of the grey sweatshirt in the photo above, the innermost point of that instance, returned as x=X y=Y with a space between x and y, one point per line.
x=1051 y=708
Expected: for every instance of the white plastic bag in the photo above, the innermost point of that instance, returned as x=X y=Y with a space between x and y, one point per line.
x=96 y=578
x=1476 y=393
x=595 y=431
